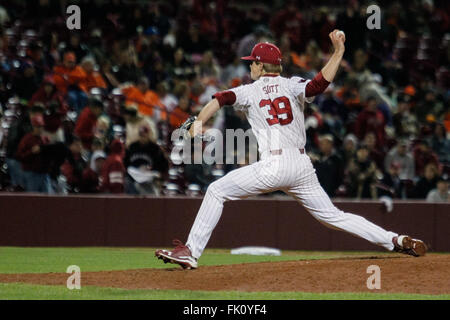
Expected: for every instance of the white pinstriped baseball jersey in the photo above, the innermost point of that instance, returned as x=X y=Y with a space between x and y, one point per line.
x=274 y=108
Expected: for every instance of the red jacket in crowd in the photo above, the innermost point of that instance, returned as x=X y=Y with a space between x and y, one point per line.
x=41 y=96
x=85 y=127
x=53 y=119
x=32 y=161
x=113 y=172
x=422 y=158
x=370 y=121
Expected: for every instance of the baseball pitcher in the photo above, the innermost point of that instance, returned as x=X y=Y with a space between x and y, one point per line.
x=274 y=108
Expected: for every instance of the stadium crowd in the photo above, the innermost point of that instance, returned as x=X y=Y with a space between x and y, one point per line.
x=92 y=110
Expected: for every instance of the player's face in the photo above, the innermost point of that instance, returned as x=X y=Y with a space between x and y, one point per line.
x=255 y=70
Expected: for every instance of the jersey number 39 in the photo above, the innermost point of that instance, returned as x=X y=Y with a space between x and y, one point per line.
x=279 y=109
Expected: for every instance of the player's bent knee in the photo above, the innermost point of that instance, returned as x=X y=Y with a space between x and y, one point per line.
x=214 y=190
x=329 y=214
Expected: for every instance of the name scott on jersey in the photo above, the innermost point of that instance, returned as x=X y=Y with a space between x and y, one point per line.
x=273 y=88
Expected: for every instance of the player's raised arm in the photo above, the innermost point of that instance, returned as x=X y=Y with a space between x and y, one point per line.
x=328 y=72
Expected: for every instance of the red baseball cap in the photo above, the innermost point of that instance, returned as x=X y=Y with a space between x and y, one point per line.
x=265 y=52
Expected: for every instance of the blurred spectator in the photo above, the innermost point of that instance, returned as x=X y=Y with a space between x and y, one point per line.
x=349 y=94
x=328 y=165
x=31 y=71
x=29 y=153
x=310 y=62
x=168 y=99
x=145 y=163
x=76 y=46
x=235 y=70
x=441 y=193
x=289 y=20
x=371 y=120
x=194 y=42
x=375 y=153
x=260 y=34
x=208 y=67
x=73 y=166
x=67 y=77
x=361 y=175
x=148 y=102
x=85 y=127
x=134 y=122
x=440 y=143
x=400 y=156
x=348 y=149
x=333 y=110
x=352 y=22
x=113 y=170
x=128 y=69
x=179 y=68
x=321 y=26
x=18 y=129
x=405 y=123
x=103 y=132
x=89 y=77
x=427 y=182
x=423 y=155
x=108 y=74
x=391 y=184
x=429 y=105
x=47 y=93
x=90 y=182
x=55 y=108
x=62 y=74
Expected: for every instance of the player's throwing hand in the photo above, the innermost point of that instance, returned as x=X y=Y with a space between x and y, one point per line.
x=338 y=38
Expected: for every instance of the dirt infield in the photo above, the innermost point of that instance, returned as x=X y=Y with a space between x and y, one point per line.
x=399 y=274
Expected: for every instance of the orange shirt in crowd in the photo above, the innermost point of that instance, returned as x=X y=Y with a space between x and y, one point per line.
x=91 y=80
x=149 y=103
x=353 y=100
x=65 y=77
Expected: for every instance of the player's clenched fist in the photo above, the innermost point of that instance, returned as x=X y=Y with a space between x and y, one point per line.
x=337 y=39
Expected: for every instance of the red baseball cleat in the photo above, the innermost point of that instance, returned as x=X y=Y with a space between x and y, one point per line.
x=180 y=255
x=408 y=245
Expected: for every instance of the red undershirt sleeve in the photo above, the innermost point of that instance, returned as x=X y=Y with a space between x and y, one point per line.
x=316 y=86
x=225 y=98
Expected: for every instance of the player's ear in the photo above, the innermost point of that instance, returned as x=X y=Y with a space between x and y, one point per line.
x=260 y=65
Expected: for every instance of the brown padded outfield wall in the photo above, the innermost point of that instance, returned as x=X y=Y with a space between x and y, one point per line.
x=41 y=220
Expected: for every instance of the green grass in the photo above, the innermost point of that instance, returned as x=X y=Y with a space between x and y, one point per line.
x=37 y=292
x=42 y=260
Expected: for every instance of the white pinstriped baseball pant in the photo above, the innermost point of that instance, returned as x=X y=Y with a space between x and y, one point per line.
x=294 y=174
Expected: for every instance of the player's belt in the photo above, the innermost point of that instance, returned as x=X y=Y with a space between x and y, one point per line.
x=280 y=151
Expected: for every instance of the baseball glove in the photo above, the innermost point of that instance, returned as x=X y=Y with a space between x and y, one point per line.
x=187 y=125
